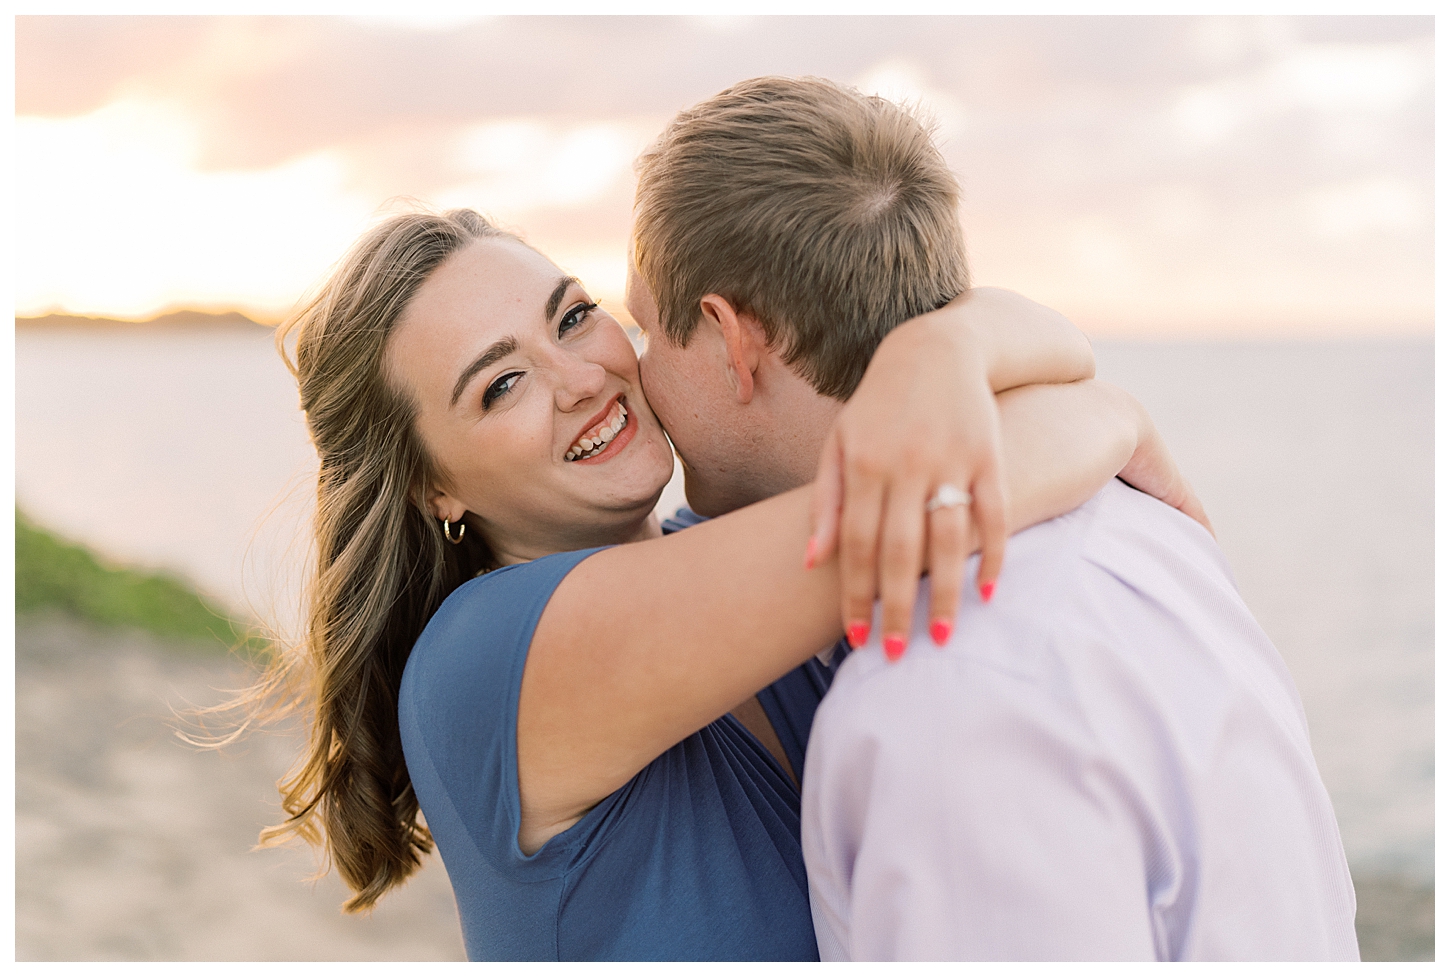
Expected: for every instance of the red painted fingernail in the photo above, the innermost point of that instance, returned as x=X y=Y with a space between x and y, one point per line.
x=987 y=589
x=857 y=632
x=941 y=631
x=811 y=554
x=895 y=646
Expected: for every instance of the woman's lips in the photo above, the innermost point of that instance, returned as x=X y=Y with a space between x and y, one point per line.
x=625 y=435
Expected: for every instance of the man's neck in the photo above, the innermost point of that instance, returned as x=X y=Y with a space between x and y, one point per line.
x=796 y=422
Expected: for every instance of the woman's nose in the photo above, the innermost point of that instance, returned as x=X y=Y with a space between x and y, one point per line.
x=579 y=380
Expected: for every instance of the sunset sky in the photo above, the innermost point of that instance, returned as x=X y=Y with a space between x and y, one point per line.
x=1146 y=176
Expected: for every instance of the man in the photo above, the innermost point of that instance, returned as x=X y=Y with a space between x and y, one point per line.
x=1109 y=761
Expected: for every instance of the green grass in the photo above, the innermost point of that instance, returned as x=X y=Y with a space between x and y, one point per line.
x=50 y=573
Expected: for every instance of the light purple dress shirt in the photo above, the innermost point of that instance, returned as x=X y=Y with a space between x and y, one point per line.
x=1108 y=762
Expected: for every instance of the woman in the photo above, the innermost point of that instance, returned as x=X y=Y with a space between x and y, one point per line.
x=581 y=725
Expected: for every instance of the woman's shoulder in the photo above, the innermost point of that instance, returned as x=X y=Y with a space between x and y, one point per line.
x=486 y=624
x=507 y=596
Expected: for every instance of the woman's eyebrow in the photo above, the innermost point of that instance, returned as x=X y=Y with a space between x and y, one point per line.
x=508 y=345
x=504 y=347
x=557 y=296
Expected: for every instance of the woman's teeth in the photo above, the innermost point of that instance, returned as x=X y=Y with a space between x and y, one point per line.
x=593 y=443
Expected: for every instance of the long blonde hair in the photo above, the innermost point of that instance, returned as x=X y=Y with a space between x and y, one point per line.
x=382 y=566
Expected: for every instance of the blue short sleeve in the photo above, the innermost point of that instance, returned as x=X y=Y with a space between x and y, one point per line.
x=459 y=702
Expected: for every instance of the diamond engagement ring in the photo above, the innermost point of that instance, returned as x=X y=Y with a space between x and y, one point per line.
x=947 y=496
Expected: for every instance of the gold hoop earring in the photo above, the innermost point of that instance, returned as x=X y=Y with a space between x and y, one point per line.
x=449 y=536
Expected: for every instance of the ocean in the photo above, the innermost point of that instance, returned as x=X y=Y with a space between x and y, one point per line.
x=184 y=450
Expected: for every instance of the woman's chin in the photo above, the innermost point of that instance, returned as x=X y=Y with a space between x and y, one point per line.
x=632 y=482
x=645 y=468
x=647 y=495
x=627 y=484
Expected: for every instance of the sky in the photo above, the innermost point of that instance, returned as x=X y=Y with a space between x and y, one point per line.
x=1147 y=176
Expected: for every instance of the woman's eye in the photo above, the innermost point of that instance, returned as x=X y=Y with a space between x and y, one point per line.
x=576 y=316
x=498 y=388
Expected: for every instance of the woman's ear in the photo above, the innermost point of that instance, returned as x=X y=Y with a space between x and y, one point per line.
x=745 y=342
x=444 y=506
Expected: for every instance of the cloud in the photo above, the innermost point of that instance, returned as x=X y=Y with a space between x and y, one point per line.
x=1099 y=156
x=1335 y=81
x=145 y=231
x=522 y=164
x=1374 y=204
x=1342 y=77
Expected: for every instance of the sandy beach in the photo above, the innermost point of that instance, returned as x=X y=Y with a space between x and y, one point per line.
x=131 y=845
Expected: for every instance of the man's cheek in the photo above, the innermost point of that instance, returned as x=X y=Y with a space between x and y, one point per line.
x=646 y=378
x=658 y=401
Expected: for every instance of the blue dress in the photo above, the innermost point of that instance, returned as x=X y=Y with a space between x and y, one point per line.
x=697 y=857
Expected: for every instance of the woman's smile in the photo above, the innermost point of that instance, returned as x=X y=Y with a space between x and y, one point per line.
x=605 y=436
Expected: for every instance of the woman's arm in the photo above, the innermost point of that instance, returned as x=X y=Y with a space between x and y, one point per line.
x=1020 y=341
x=645 y=643
x=1152 y=470
x=898 y=439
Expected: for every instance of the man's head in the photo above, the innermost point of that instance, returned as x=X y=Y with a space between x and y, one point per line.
x=782 y=228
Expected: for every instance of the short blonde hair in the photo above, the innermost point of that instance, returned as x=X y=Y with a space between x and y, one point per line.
x=827 y=214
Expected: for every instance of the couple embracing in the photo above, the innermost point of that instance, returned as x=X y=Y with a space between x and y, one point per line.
x=756 y=731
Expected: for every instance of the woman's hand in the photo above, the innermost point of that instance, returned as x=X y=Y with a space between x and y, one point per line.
x=924 y=416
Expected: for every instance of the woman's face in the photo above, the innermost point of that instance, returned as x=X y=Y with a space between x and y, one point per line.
x=513 y=369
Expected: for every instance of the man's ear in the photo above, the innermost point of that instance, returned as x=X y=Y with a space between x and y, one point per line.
x=745 y=342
